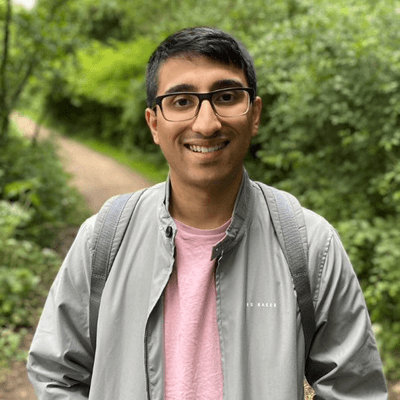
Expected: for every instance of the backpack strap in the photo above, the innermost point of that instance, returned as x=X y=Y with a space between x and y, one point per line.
x=110 y=227
x=288 y=220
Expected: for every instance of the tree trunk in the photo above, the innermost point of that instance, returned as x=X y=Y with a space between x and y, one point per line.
x=4 y=109
x=4 y=124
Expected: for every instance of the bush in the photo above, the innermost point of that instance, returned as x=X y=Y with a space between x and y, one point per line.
x=35 y=202
x=25 y=274
x=23 y=266
x=331 y=107
x=10 y=348
x=32 y=175
x=16 y=285
x=104 y=96
x=374 y=249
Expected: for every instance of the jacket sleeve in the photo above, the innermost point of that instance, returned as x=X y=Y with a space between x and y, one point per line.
x=61 y=358
x=344 y=362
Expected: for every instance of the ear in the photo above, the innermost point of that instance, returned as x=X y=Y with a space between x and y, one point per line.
x=151 y=119
x=257 y=110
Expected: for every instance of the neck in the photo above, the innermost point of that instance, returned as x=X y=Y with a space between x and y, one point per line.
x=204 y=207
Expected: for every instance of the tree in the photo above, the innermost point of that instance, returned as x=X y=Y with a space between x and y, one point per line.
x=4 y=106
x=33 y=43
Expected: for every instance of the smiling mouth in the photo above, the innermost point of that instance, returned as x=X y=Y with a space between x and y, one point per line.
x=206 y=149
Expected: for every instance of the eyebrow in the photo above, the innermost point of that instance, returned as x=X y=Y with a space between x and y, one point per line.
x=226 y=84
x=183 y=87
x=221 y=84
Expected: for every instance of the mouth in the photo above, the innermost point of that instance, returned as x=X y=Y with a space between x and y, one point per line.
x=206 y=149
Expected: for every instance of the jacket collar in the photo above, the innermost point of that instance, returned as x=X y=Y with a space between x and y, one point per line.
x=239 y=217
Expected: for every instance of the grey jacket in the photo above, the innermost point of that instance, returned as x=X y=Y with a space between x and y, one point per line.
x=262 y=343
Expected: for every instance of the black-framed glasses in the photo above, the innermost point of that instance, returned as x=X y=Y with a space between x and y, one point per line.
x=232 y=102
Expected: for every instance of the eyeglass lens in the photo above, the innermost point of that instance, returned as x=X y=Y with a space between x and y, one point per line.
x=185 y=106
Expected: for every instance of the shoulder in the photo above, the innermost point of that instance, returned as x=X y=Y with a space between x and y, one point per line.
x=150 y=194
x=278 y=199
x=318 y=228
x=317 y=233
x=282 y=204
x=118 y=210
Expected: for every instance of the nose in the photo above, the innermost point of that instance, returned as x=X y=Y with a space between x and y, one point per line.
x=206 y=121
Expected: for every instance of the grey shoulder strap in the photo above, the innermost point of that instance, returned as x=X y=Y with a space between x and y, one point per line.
x=110 y=227
x=288 y=220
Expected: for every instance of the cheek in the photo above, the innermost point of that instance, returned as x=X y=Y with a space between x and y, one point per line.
x=247 y=131
x=168 y=141
x=170 y=134
x=164 y=145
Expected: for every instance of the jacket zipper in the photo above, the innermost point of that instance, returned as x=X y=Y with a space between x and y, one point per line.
x=218 y=314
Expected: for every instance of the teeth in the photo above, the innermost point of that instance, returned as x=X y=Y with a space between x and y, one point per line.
x=201 y=149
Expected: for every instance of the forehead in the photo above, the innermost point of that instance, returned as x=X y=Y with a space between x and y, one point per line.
x=197 y=73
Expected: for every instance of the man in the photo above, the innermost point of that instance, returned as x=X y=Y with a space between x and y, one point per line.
x=200 y=303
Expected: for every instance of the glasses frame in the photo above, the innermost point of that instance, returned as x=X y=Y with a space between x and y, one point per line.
x=205 y=96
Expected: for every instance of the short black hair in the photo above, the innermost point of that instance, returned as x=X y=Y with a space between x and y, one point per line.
x=204 y=41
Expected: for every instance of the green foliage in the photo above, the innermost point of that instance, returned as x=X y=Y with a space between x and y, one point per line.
x=106 y=72
x=11 y=216
x=374 y=248
x=122 y=20
x=10 y=347
x=22 y=263
x=322 y=79
x=16 y=286
x=33 y=175
x=22 y=254
x=25 y=273
x=387 y=335
x=104 y=95
x=34 y=44
x=111 y=77
x=35 y=202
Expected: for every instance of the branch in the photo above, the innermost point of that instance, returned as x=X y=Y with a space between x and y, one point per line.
x=33 y=62
x=24 y=81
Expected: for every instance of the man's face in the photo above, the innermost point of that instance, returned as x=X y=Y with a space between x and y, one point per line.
x=208 y=149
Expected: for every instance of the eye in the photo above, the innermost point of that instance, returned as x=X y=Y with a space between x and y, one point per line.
x=227 y=97
x=182 y=101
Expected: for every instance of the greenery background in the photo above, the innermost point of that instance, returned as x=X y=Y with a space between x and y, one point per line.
x=328 y=74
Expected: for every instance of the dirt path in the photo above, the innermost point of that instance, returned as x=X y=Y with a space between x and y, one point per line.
x=97 y=177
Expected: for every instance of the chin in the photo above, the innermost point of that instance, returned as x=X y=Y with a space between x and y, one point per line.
x=212 y=180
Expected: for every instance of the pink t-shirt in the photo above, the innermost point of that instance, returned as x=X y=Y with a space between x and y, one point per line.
x=193 y=368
